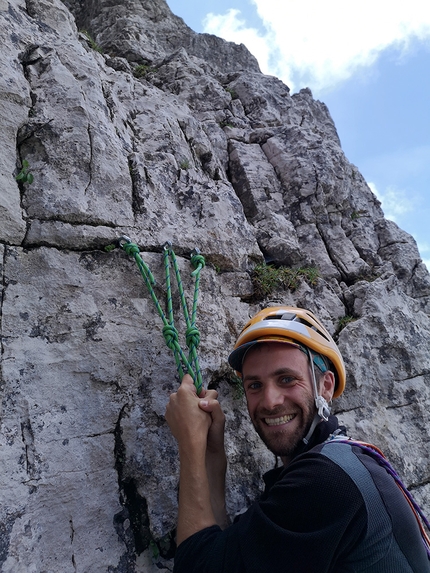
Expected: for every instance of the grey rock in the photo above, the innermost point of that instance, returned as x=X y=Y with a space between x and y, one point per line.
x=14 y=105
x=147 y=31
x=142 y=128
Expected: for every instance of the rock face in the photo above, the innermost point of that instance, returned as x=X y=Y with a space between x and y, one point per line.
x=142 y=127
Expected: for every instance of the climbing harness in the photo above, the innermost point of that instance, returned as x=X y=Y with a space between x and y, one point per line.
x=377 y=455
x=188 y=363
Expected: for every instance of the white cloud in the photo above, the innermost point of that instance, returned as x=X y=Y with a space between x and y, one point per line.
x=320 y=43
x=394 y=202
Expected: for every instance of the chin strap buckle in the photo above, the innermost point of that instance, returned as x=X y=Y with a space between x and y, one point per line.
x=322 y=407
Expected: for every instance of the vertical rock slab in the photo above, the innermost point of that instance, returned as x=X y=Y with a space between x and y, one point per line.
x=15 y=103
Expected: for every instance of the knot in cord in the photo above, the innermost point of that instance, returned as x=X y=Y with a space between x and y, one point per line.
x=192 y=337
x=197 y=262
x=131 y=249
x=171 y=336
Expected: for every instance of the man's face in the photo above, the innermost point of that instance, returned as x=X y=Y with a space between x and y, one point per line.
x=278 y=389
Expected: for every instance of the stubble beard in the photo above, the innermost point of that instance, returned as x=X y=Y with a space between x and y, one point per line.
x=284 y=443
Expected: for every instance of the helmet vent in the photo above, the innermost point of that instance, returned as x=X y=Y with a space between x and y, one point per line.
x=293 y=316
x=283 y=316
x=309 y=325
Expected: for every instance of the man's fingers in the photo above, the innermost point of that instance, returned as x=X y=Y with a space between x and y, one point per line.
x=208 y=394
x=213 y=408
x=187 y=381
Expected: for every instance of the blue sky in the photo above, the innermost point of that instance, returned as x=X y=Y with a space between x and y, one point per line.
x=369 y=61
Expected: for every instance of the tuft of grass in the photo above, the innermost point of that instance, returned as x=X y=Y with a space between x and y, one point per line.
x=369 y=276
x=268 y=278
x=91 y=42
x=164 y=547
x=344 y=321
x=184 y=164
x=141 y=70
x=109 y=248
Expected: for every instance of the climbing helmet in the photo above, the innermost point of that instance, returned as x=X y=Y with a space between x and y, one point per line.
x=297 y=327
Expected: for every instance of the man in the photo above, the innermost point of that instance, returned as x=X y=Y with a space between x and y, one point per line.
x=331 y=507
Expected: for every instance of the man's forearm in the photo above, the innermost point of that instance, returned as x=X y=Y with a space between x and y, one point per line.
x=195 y=508
x=216 y=467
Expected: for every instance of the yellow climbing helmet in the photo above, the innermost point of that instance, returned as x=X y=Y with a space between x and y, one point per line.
x=291 y=325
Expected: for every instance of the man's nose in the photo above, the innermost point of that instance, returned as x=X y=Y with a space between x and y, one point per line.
x=272 y=397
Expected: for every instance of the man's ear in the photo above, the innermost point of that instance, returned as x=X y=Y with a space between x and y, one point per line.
x=327 y=383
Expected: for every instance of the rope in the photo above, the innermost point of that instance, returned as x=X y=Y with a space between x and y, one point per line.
x=188 y=363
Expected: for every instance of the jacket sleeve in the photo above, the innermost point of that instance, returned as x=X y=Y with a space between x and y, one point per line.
x=310 y=518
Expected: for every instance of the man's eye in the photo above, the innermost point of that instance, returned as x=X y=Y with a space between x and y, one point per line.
x=253 y=386
x=287 y=380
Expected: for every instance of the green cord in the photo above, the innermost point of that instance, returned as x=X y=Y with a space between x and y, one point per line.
x=170 y=333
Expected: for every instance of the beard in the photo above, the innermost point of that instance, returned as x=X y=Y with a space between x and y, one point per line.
x=285 y=442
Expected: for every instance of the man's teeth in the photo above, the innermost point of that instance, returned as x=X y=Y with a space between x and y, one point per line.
x=278 y=421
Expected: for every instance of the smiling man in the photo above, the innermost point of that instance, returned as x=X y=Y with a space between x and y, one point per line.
x=279 y=393
x=330 y=508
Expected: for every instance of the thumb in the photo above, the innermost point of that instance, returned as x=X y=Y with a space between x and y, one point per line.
x=188 y=383
x=212 y=407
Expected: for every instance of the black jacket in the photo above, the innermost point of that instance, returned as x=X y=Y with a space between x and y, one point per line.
x=333 y=509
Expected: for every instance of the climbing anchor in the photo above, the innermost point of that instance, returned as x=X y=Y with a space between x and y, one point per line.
x=188 y=363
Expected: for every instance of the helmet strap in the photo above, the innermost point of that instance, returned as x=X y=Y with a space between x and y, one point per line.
x=323 y=409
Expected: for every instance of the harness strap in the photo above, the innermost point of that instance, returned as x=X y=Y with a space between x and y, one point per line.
x=377 y=454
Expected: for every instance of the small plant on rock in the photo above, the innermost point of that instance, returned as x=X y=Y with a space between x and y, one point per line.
x=237 y=386
x=358 y=214
x=184 y=164
x=142 y=70
x=231 y=92
x=268 y=278
x=24 y=176
x=344 y=321
x=91 y=42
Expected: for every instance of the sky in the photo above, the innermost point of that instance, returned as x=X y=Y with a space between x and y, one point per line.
x=369 y=62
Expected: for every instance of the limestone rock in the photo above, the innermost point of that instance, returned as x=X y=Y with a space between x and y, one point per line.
x=141 y=127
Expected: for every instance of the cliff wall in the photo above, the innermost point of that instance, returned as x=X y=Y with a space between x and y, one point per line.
x=141 y=127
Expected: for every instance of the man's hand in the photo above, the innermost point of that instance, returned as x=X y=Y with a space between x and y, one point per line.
x=188 y=423
x=197 y=423
x=208 y=403
x=216 y=461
